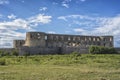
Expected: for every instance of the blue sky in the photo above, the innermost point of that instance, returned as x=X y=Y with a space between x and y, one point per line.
x=83 y=17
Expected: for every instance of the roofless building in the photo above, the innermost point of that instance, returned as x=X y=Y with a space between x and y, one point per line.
x=43 y=43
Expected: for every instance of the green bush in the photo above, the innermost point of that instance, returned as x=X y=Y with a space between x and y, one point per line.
x=4 y=53
x=26 y=54
x=7 y=53
x=102 y=50
x=2 y=62
x=15 y=53
x=1 y=53
x=75 y=54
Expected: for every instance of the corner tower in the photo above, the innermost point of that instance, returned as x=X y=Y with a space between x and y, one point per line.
x=35 y=39
x=18 y=43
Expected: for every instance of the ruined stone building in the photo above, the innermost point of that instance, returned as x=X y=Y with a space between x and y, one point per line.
x=43 y=43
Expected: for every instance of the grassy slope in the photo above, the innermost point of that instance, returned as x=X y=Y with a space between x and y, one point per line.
x=61 y=67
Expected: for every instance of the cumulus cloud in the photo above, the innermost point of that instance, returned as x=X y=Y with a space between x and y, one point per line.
x=15 y=24
x=10 y=29
x=11 y=16
x=4 y=2
x=40 y=18
x=25 y=24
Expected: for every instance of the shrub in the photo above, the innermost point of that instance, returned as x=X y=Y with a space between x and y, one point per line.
x=112 y=50
x=4 y=53
x=15 y=53
x=1 y=51
x=75 y=54
x=26 y=54
x=2 y=62
x=7 y=53
x=101 y=50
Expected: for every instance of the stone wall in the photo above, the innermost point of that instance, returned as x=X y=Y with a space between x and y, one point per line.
x=7 y=50
x=44 y=51
x=18 y=43
x=37 y=50
x=68 y=50
x=43 y=43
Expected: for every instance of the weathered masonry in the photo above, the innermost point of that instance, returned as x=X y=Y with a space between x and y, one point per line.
x=43 y=43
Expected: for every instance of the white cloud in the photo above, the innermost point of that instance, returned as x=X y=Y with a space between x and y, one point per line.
x=88 y=25
x=51 y=32
x=79 y=30
x=7 y=37
x=65 y=5
x=62 y=18
x=111 y=26
x=78 y=17
x=12 y=16
x=4 y=2
x=66 y=1
x=40 y=18
x=54 y=3
x=11 y=28
x=15 y=24
x=25 y=24
x=82 y=0
x=43 y=8
x=105 y=26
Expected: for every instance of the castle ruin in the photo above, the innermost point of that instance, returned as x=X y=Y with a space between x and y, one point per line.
x=43 y=43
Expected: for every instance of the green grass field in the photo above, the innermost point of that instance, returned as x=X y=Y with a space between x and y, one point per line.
x=61 y=67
